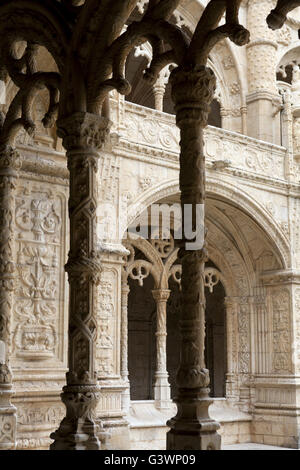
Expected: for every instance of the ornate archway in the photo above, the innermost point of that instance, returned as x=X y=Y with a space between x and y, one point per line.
x=79 y=105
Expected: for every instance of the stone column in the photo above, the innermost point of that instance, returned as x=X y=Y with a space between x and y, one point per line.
x=162 y=394
x=124 y=341
x=263 y=99
x=10 y=163
x=159 y=90
x=83 y=136
x=225 y=118
x=192 y=428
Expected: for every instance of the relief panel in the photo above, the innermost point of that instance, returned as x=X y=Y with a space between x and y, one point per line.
x=40 y=291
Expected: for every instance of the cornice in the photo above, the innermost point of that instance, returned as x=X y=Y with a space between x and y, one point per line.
x=281 y=277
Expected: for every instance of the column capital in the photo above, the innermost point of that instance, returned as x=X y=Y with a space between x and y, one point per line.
x=161 y=295
x=83 y=130
x=125 y=286
x=229 y=302
x=193 y=90
x=10 y=159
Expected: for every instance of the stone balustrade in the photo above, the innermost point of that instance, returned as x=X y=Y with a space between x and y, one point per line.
x=154 y=132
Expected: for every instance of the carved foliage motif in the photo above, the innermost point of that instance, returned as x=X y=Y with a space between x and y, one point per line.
x=143 y=127
x=297 y=327
x=106 y=321
x=244 y=339
x=281 y=331
x=38 y=220
x=10 y=163
x=154 y=130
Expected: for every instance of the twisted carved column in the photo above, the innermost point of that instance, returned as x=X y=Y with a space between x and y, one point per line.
x=162 y=387
x=10 y=164
x=83 y=136
x=124 y=341
x=192 y=428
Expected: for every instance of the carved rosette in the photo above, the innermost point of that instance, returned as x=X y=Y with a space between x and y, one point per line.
x=83 y=136
x=192 y=91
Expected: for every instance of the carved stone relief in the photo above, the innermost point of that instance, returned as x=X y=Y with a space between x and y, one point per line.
x=106 y=340
x=281 y=331
x=38 y=311
x=297 y=326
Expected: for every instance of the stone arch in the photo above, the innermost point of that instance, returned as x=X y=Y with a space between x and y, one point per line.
x=226 y=274
x=287 y=58
x=227 y=191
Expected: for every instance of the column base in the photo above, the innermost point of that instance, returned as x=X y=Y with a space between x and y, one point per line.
x=126 y=400
x=162 y=393
x=78 y=430
x=192 y=428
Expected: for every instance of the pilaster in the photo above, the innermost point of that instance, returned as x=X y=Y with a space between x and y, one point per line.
x=111 y=347
x=277 y=388
x=10 y=164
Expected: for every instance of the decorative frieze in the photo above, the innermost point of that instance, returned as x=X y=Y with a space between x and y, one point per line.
x=32 y=416
x=147 y=127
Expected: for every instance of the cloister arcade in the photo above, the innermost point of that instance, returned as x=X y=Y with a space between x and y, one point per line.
x=141 y=328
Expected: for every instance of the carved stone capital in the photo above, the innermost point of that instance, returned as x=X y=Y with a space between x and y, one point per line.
x=193 y=90
x=83 y=130
x=10 y=161
x=161 y=295
x=229 y=303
